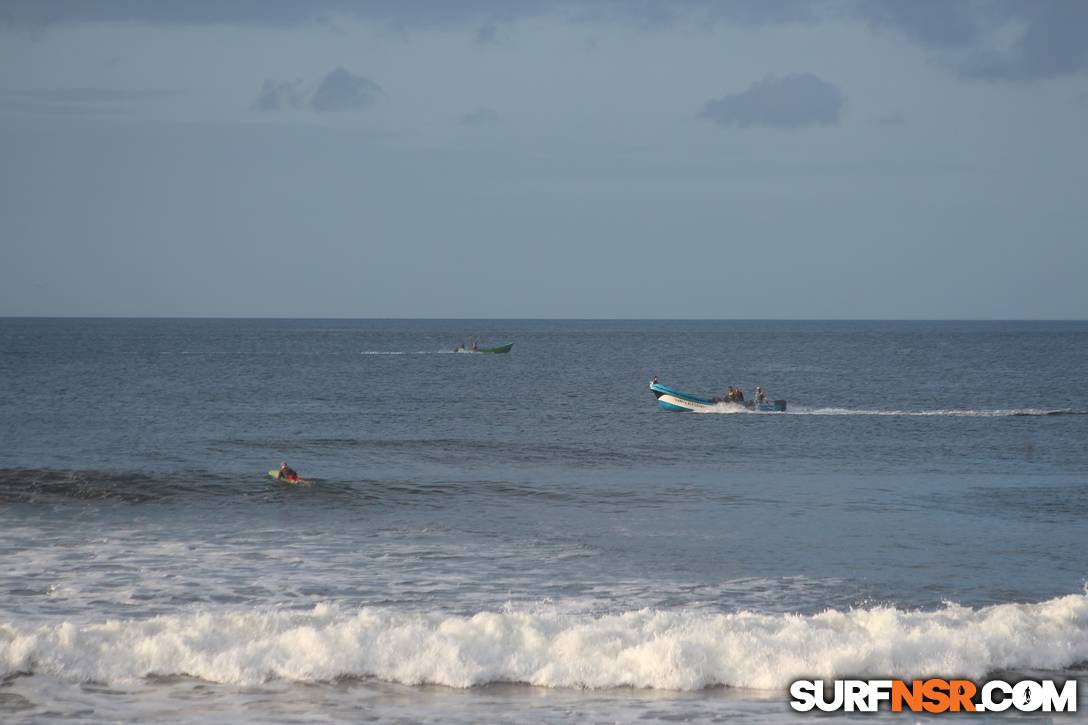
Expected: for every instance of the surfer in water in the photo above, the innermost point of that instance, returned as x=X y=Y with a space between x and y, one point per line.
x=289 y=474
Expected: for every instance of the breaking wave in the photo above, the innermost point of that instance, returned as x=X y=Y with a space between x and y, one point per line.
x=53 y=486
x=673 y=650
x=48 y=485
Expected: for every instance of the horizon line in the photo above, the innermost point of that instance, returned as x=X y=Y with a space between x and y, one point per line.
x=549 y=319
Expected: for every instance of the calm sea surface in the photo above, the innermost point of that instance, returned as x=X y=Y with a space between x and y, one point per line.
x=528 y=537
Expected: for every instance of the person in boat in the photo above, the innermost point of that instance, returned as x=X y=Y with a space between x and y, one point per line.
x=287 y=473
x=475 y=345
x=738 y=395
x=760 y=395
x=729 y=394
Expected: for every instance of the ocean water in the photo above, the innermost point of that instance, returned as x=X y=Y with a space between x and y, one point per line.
x=526 y=537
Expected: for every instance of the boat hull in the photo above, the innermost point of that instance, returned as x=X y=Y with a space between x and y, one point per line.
x=488 y=350
x=677 y=401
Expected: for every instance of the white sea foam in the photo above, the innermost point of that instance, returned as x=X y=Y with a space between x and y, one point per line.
x=724 y=409
x=734 y=408
x=949 y=413
x=406 y=352
x=676 y=650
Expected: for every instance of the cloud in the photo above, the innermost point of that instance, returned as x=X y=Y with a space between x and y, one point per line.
x=1054 y=44
x=970 y=38
x=342 y=90
x=277 y=96
x=485 y=34
x=651 y=14
x=792 y=101
x=934 y=23
x=993 y=41
x=339 y=90
x=272 y=13
x=480 y=117
x=402 y=14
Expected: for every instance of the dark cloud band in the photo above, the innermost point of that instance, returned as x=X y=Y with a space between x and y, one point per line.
x=967 y=36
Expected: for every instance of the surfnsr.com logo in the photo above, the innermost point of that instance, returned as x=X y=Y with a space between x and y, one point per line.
x=933 y=696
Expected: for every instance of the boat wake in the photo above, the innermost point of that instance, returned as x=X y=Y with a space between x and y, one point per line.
x=648 y=648
x=733 y=408
x=943 y=413
x=407 y=352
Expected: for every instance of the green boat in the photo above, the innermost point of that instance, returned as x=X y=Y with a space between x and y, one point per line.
x=500 y=348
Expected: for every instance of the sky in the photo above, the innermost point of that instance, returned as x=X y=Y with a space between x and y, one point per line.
x=893 y=159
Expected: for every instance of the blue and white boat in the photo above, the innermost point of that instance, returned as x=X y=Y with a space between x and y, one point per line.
x=677 y=401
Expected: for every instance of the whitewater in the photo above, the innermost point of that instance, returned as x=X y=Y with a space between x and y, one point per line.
x=645 y=649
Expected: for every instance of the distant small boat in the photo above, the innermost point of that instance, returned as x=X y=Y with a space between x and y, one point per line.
x=680 y=402
x=500 y=348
